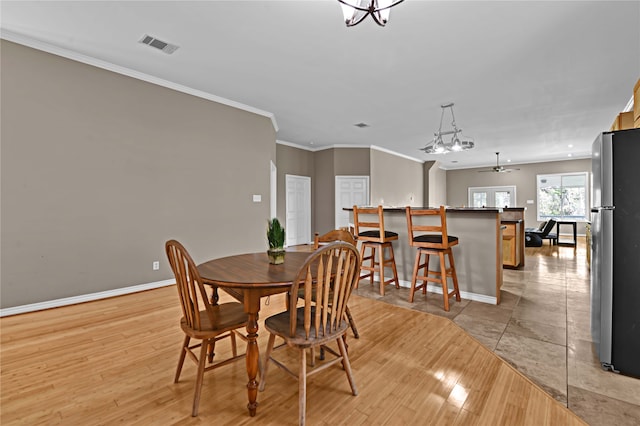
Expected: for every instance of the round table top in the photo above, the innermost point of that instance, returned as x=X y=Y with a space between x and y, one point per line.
x=252 y=270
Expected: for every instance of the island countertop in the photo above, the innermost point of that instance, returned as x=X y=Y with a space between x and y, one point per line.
x=449 y=209
x=478 y=256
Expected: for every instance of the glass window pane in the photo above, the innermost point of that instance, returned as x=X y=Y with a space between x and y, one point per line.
x=503 y=199
x=562 y=196
x=479 y=199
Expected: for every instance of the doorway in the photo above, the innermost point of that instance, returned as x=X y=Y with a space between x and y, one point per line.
x=350 y=191
x=298 y=210
x=492 y=196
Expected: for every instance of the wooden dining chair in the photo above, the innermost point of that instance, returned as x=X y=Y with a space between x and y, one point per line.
x=432 y=239
x=329 y=237
x=328 y=277
x=201 y=319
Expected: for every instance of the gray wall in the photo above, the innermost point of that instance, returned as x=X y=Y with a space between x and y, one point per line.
x=458 y=182
x=292 y=161
x=98 y=170
x=395 y=181
x=330 y=163
x=437 y=186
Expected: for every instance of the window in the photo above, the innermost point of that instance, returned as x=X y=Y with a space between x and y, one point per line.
x=492 y=196
x=562 y=196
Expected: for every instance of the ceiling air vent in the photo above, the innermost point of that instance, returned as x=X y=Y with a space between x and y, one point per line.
x=158 y=44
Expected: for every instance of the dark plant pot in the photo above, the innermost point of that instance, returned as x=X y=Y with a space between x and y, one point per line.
x=276 y=256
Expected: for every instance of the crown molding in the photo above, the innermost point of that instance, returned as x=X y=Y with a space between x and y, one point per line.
x=89 y=60
x=338 y=146
x=388 y=151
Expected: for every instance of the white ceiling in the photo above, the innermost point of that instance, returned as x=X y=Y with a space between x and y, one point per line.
x=528 y=78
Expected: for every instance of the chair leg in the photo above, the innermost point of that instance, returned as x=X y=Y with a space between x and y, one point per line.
x=212 y=347
x=454 y=276
x=234 y=348
x=183 y=353
x=443 y=279
x=426 y=273
x=302 y=387
x=347 y=366
x=392 y=260
x=414 y=277
x=352 y=323
x=381 y=265
x=371 y=258
x=312 y=353
x=201 y=362
x=267 y=355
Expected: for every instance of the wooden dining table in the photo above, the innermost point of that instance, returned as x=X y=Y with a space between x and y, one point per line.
x=252 y=276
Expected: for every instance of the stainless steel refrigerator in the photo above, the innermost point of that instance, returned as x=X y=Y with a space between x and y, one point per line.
x=615 y=250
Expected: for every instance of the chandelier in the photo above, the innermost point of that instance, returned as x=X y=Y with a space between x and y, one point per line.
x=457 y=143
x=355 y=11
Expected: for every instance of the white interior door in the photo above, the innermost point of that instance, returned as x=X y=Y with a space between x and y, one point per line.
x=492 y=196
x=298 y=208
x=350 y=191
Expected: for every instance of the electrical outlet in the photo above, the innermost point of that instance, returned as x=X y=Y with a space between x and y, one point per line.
x=156 y=265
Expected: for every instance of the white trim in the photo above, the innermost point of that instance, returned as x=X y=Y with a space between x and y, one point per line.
x=15 y=310
x=325 y=147
x=78 y=57
x=388 y=151
x=295 y=145
x=438 y=289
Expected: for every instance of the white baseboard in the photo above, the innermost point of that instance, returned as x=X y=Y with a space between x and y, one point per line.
x=82 y=298
x=438 y=289
x=15 y=310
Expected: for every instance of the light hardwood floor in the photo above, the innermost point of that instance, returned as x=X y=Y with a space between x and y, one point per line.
x=112 y=362
x=542 y=328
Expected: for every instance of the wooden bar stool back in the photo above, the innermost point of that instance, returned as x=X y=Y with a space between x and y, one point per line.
x=432 y=239
x=370 y=231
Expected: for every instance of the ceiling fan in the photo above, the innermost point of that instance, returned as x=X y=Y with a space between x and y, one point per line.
x=498 y=168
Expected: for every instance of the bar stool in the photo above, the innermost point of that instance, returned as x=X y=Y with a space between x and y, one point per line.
x=373 y=238
x=437 y=242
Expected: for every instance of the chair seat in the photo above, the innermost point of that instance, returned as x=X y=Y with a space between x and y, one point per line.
x=434 y=239
x=227 y=316
x=376 y=234
x=279 y=325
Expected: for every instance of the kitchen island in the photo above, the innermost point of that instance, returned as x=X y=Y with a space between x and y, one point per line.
x=478 y=256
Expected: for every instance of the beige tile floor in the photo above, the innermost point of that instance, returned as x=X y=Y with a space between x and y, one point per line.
x=542 y=329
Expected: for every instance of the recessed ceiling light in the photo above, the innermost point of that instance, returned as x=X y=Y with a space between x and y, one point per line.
x=454 y=161
x=508 y=161
x=361 y=125
x=569 y=155
x=570 y=145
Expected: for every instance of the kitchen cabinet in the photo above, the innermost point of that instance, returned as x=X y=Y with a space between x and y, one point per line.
x=511 y=243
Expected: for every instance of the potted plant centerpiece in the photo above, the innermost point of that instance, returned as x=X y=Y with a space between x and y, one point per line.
x=275 y=235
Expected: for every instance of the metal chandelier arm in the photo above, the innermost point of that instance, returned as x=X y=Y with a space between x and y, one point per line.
x=372 y=10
